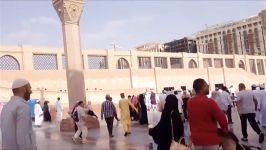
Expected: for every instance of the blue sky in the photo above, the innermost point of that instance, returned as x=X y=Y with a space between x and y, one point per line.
x=126 y=23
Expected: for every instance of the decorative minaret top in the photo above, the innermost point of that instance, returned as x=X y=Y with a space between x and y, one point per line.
x=69 y=11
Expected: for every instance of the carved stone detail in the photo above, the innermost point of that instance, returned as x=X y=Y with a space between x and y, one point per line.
x=69 y=11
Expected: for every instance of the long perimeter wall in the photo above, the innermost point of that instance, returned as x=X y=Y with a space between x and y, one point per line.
x=51 y=83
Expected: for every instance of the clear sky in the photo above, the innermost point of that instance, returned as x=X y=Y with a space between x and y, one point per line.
x=127 y=23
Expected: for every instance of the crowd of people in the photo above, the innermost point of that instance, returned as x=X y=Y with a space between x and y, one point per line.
x=198 y=111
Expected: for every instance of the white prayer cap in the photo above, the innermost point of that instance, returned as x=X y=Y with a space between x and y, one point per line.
x=253 y=85
x=19 y=83
x=262 y=86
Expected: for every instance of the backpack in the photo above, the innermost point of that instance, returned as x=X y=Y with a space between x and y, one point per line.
x=75 y=116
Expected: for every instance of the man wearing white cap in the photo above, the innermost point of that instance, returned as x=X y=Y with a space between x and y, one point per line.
x=16 y=123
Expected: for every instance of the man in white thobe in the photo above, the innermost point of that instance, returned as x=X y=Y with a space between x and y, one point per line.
x=263 y=107
x=38 y=114
x=16 y=126
x=227 y=101
x=148 y=100
x=59 y=112
x=160 y=104
x=216 y=96
x=257 y=93
x=180 y=101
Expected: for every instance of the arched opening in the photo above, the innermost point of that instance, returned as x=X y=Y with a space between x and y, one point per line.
x=192 y=64
x=241 y=65
x=8 y=62
x=122 y=63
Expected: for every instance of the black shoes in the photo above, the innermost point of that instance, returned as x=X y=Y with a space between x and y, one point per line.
x=261 y=137
x=127 y=133
x=244 y=139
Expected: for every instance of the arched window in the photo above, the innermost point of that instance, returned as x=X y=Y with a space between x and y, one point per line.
x=241 y=65
x=192 y=64
x=8 y=62
x=122 y=63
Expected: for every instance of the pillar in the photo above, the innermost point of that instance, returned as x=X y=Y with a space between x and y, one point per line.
x=59 y=61
x=27 y=57
x=110 y=59
x=169 y=62
x=134 y=59
x=69 y=13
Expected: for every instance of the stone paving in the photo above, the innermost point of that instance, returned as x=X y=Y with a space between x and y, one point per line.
x=50 y=138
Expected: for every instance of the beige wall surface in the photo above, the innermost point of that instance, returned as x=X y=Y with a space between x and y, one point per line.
x=133 y=80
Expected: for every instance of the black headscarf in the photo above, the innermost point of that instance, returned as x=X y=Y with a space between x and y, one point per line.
x=171 y=105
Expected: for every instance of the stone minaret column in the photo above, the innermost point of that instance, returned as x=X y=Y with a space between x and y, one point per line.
x=69 y=12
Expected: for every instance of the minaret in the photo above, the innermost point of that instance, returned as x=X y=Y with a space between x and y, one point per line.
x=69 y=12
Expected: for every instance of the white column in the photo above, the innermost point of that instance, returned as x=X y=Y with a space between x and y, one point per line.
x=169 y=62
x=85 y=61
x=134 y=59
x=152 y=61
x=59 y=61
x=111 y=59
x=27 y=57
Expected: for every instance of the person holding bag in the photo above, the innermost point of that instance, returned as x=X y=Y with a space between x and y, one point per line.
x=170 y=126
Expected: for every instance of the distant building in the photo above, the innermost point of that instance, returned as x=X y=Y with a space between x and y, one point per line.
x=182 y=45
x=151 y=47
x=246 y=36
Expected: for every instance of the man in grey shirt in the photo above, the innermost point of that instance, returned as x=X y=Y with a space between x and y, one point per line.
x=16 y=126
x=247 y=105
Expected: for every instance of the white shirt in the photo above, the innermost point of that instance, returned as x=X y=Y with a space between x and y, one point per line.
x=216 y=96
x=16 y=126
x=161 y=103
x=226 y=98
x=180 y=103
x=58 y=107
x=258 y=96
x=263 y=99
x=245 y=98
x=81 y=112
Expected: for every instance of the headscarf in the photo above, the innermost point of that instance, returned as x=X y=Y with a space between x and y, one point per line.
x=171 y=104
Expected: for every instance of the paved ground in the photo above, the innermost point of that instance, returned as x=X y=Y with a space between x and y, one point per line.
x=49 y=137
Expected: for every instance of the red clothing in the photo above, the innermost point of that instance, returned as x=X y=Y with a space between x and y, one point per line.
x=203 y=115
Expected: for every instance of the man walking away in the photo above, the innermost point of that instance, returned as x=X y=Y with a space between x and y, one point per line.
x=263 y=106
x=78 y=116
x=257 y=93
x=108 y=111
x=203 y=115
x=59 y=112
x=226 y=99
x=247 y=106
x=38 y=114
x=125 y=115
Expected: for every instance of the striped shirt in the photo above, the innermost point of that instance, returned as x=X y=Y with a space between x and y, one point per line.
x=108 y=109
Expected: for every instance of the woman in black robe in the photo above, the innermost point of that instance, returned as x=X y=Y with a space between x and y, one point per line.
x=46 y=112
x=163 y=130
x=143 y=117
